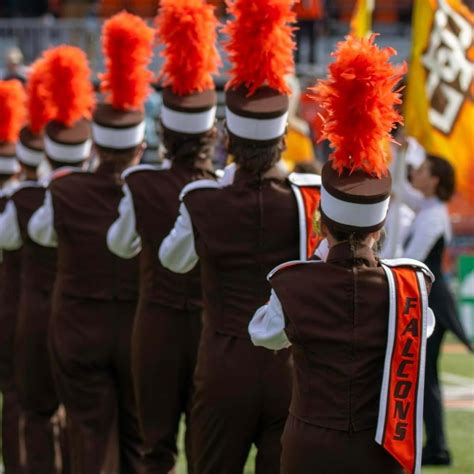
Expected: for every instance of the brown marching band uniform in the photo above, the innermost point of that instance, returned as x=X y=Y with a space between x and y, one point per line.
x=242 y=392
x=34 y=382
x=93 y=310
x=168 y=319
x=339 y=352
x=10 y=280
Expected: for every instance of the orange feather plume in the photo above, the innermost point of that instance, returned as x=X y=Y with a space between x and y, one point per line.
x=39 y=108
x=358 y=101
x=260 y=45
x=187 y=29
x=68 y=84
x=12 y=110
x=127 y=43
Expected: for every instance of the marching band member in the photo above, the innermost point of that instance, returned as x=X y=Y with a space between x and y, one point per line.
x=238 y=228
x=96 y=292
x=12 y=116
x=427 y=240
x=168 y=320
x=34 y=382
x=357 y=325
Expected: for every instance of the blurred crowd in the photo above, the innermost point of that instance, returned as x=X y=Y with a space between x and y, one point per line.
x=385 y=10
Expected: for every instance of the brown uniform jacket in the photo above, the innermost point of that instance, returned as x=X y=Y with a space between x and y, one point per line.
x=241 y=232
x=38 y=262
x=85 y=206
x=337 y=322
x=156 y=204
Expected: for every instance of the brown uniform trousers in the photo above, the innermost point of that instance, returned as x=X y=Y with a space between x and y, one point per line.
x=10 y=278
x=337 y=321
x=93 y=311
x=242 y=393
x=168 y=320
x=43 y=437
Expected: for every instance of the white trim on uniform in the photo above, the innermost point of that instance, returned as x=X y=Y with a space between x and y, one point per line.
x=392 y=318
x=353 y=214
x=118 y=138
x=301 y=221
x=256 y=129
x=305 y=179
x=28 y=156
x=9 y=165
x=409 y=262
x=67 y=153
x=421 y=373
x=200 y=184
x=290 y=263
x=188 y=122
x=146 y=167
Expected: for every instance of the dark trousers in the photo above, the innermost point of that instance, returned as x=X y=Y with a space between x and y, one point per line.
x=164 y=348
x=44 y=434
x=309 y=449
x=306 y=30
x=90 y=351
x=242 y=394
x=433 y=405
x=11 y=430
x=11 y=406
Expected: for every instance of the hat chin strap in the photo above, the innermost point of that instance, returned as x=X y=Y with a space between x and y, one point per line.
x=351 y=213
x=118 y=138
x=188 y=122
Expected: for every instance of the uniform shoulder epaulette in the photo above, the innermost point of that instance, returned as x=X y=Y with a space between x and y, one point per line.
x=166 y=165
x=409 y=262
x=290 y=264
x=200 y=184
x=66 y=171
x=305 y=179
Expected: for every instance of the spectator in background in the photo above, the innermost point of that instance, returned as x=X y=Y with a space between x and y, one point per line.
x=429 y=236
x=14 y=67
x=308 y=12
x=299 y=146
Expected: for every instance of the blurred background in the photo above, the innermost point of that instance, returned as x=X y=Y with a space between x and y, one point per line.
x=28 y=27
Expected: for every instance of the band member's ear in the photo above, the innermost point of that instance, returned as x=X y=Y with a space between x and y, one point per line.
x=376 y=235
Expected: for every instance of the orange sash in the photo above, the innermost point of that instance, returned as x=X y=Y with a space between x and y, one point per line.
x=400 y=421
x=307 y=198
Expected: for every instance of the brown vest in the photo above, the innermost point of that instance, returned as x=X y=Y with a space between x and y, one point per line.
x=337 y=322
x=38 y=263
x=85 y=206
x=156 y=202
x=241 y=232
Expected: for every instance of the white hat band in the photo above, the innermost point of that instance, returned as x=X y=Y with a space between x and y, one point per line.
x=118 y=138
x=67 y=153
x=353 y=214
x=9 y=165
x=28 y=156
x=256 y=129
x=188 y=122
